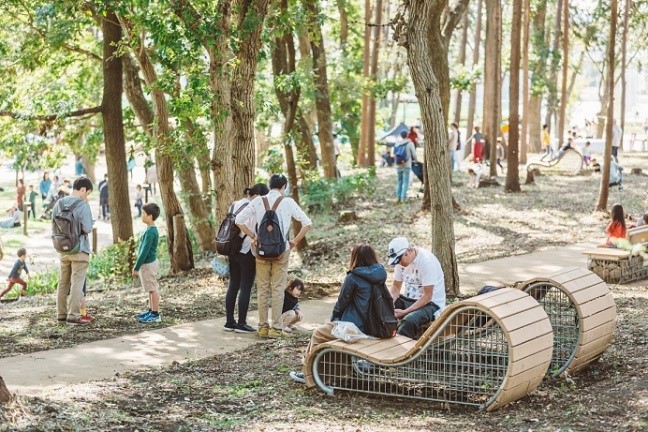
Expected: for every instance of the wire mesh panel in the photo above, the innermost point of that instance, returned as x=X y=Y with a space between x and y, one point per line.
x=564 y=321
x=465 y=362
x=616 y=270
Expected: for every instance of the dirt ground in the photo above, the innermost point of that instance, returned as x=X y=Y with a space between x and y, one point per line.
x=250 y=389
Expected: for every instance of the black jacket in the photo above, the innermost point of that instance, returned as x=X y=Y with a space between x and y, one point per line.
x=353 y=302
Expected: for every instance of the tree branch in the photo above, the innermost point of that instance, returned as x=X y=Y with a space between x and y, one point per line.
x=453 y=17
x=51 y=117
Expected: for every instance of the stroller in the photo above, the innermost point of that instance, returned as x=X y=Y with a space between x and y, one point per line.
x=49 y=204
x=417 y=169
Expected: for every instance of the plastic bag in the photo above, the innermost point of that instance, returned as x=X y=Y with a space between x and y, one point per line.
x=220 y=265
x=348 y=332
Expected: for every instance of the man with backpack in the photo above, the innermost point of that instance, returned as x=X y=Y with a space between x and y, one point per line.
x=404 y=154
x=71 y=223
x=419 y=272
x=271 y=246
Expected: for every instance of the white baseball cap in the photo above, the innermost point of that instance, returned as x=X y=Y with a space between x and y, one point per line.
x=397 y=248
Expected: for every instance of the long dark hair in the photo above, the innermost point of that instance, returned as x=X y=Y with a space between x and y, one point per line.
x=617 y=215
x=362 y=255
x=257 y=189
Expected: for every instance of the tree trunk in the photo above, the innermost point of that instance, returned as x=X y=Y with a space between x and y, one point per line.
x=5 y=395
x=492 y=96
x=113 y=124
x=322 y=100
x=344 y=23
x=512 y=157
x=624 y=57
x=538 y=70
x=472 y=101
x=565 y=70
x=424 y=43
x=364 y=120
x=552 y=97
x=373 y=73
x=462 y=61
x=89 y=167
x=524 y=141
x=604 y=189
x=306 y=146
x=250 y=25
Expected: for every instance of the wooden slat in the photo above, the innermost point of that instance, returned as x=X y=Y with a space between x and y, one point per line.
x=389 y=345
x=529 y=332
x=571 y=275
x=524 y=318
x=598 y=345
x=506 y=295
x=529 y=375
x=525 y=363
x=522 y=304
x=596 y=305
x=582 y=283
x=611 y=254
x=590 y=294
x=605 y=316
x=602 y=331
x=532 y=346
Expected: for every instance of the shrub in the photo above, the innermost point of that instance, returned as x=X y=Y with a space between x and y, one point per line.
x=43 y=283
x=115 y=262
x=321 y=193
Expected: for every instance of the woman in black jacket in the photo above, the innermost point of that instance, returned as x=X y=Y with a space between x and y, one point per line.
x=353 y=302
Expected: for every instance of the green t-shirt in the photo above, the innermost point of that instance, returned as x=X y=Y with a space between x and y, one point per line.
x=147 y=252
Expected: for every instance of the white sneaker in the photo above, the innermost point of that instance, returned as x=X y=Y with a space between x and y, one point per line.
x=298 y=377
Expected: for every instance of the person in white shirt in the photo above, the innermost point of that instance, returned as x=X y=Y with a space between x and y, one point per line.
x=453 y=141
x=418 y=288
x=272 y=274
x=242 y=268
x=617 y=132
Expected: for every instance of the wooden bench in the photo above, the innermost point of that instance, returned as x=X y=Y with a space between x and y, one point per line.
x=582 y=312
x=485 y=351
x=620 y=265
x=570 y=163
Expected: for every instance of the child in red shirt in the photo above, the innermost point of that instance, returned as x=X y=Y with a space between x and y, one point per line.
x=616 y=229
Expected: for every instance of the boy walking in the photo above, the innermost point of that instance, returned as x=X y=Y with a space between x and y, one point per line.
x=147 y=265
x=14 y=275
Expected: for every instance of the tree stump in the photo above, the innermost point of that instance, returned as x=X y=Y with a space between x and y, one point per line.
x=636 y=171
x=5 y=396
x=347 y=216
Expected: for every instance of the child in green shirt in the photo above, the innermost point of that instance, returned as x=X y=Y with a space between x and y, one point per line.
x=147 y=266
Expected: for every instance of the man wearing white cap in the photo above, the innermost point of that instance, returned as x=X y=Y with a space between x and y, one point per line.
x=423 y=298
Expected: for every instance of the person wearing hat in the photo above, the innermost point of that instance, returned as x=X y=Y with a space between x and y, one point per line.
x=418 y=288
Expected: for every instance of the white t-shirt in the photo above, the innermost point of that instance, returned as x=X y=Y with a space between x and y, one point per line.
x=423 y=271
x=250 y=223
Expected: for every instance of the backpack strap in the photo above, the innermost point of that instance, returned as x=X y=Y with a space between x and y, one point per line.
x=276 y=203
x=240 y=208
x=266 y=203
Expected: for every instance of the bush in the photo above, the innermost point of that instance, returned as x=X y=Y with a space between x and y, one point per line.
x=43 y=283
x=321 y=193
x=115 y=262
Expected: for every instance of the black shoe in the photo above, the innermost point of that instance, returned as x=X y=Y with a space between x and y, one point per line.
x=244 y=328
x=229 y=327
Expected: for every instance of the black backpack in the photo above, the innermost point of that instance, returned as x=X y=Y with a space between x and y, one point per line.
x=382 y=322
x=458 y=140
x=270 y=243
x=228 y=239
x=66 y=230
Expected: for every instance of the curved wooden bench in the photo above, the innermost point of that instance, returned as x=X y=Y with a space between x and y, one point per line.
x=485 y=351
x=620 y=265
x=570 y=163
x=582 y=313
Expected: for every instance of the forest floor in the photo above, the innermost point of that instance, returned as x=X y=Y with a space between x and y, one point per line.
x=249 y=389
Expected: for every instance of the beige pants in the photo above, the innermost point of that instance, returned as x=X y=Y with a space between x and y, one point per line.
x=271 y=279
x=289 y=318
x=70 y=288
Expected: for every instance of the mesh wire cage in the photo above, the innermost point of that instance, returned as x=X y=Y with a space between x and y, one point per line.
x=564 y=321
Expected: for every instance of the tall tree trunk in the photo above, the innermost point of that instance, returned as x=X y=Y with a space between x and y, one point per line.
x=472 y=101
x=462 y=61
x=373 y=73
x=113 y=124
x=552 y=97
x=492 y=96
x=604 y=98
x=424 y=43
x=604 y=189
x=344 y=23
x=366 y=61
x=250 y=25
x=540 y=49
x=624 y=59
x=305 y=145
x=565 y=71
x=524 y=141
x=322 y=100
x=513 y=173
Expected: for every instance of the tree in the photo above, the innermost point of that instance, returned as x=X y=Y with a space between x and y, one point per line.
x=425 y=44
x=540 y=51
x=462 y=62
x=565 y=70
x=524 y=141
x=604 y=189
x=472 y=100
x=492 y=71
x=513 y=173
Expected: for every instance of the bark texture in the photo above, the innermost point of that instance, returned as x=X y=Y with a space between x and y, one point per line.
x=513 y=174
x=424 y=38
x=492 y=71
x=472 y=100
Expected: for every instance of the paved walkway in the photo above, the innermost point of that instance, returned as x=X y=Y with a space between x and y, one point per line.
x=47 y=371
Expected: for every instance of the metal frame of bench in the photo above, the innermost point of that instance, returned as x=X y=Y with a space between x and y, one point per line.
x=629 y=268
x=582 y=312
x=485 y=351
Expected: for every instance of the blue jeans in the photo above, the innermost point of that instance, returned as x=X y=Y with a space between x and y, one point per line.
x=242 y=273
x=403 y=174
x=410 y=325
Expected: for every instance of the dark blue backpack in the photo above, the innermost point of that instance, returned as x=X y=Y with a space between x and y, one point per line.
x=401 y=153
x=270 y=243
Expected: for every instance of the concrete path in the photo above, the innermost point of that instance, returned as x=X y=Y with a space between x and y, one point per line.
x=48 y=371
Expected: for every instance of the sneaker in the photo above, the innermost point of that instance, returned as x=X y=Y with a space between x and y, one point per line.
x=150 y=318
x=274 y=333
x=288 y=329
x=298 y=377
x=363 y=366
x=244 y=328
x=89 y=317
x=143 y=313
x=229 y=327
x=79 y=321
x=263 y=332
x=61 y=320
